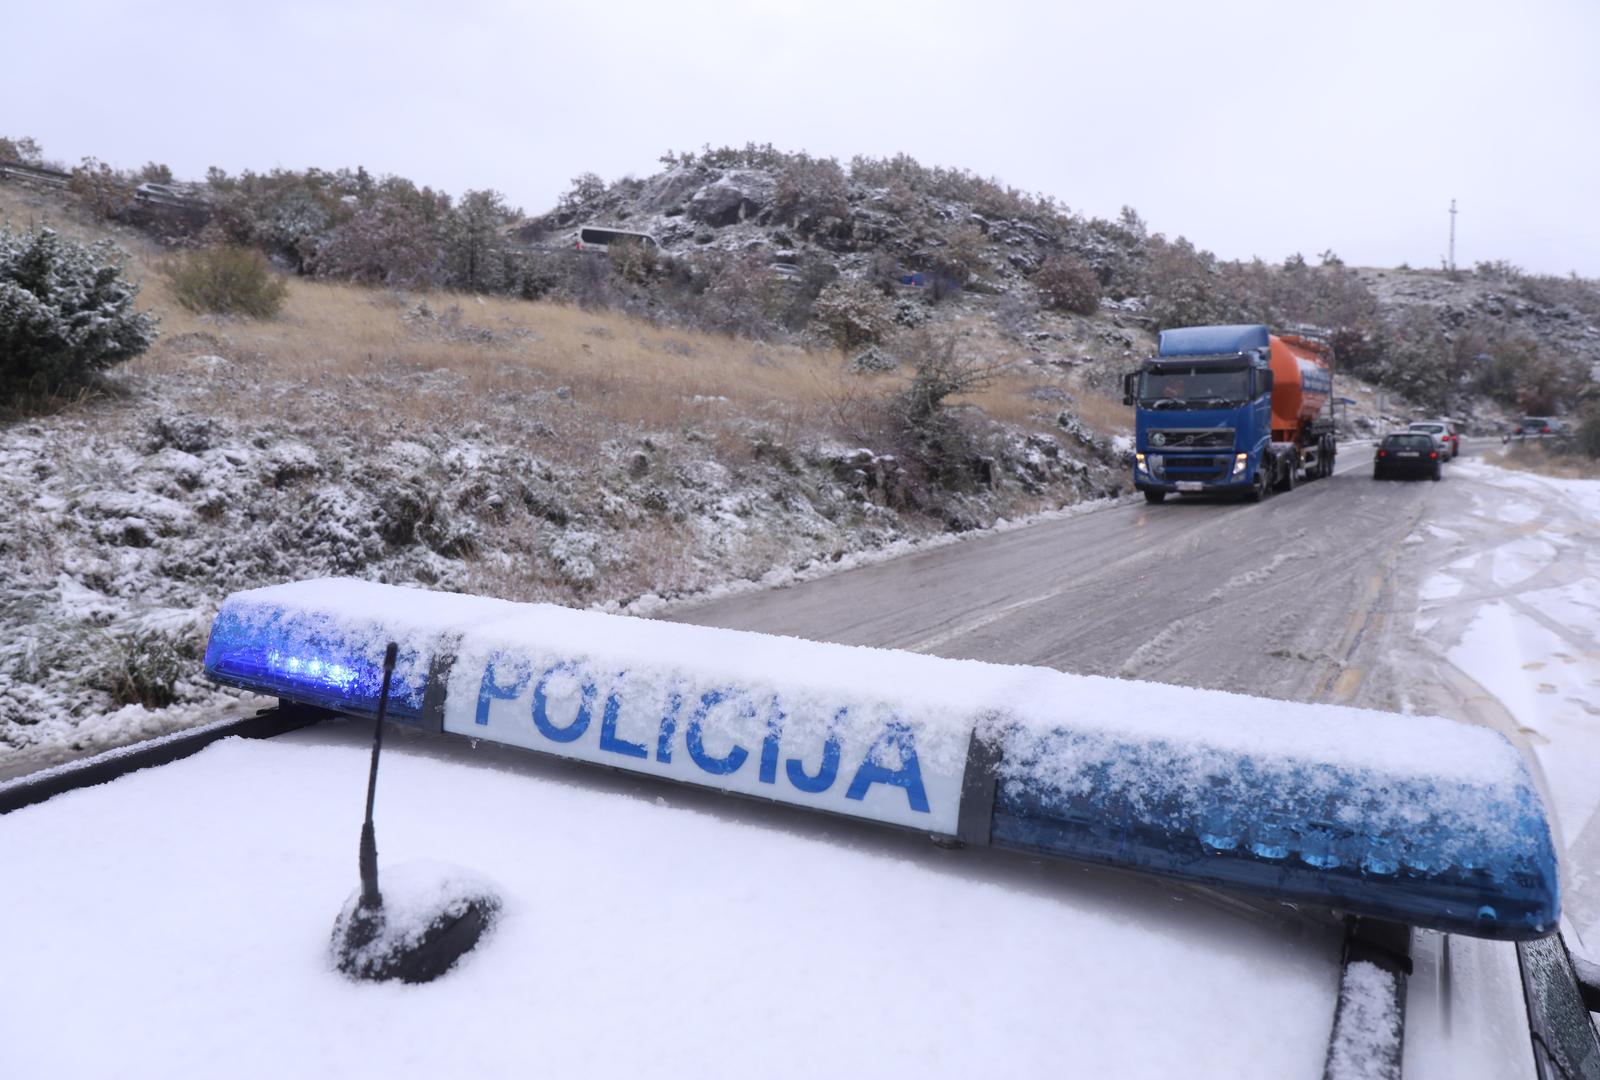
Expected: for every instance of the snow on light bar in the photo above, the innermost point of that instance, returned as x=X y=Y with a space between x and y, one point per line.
x=1415 y=819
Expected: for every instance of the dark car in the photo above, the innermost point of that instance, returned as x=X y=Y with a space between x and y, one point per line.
x=1412 y=454
x=1537 y=427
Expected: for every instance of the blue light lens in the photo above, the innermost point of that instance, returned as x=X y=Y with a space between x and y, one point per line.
x=1470 y=859
x=312 y=662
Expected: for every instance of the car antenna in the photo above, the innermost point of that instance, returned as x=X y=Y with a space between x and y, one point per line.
x=426 y=940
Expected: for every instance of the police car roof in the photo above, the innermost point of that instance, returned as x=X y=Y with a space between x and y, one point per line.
x=182 y=915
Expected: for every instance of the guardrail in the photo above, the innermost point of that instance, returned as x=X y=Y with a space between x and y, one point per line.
x=38 y=173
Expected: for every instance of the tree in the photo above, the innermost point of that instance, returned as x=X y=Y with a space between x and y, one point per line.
x=395 y=239
x=475 y=241
x=22 y=150
x=105 y=190
x=66 y=312
x=1182 y=285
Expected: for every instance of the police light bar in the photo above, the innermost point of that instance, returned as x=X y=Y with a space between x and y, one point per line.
x=1413 y=819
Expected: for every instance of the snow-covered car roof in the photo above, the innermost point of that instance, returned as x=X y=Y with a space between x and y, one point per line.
x=644 y=933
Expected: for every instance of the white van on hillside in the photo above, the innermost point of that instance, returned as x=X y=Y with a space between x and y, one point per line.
x=601 y=237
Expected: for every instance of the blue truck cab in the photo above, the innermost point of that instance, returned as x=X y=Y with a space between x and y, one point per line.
x=1204 y=416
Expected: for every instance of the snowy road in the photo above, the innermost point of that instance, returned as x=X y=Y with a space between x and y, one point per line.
x=1476 y=598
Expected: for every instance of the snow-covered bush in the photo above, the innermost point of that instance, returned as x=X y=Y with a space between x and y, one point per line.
x=226 y=281
x=65 y=312
x=145 y=667
x=850 y=313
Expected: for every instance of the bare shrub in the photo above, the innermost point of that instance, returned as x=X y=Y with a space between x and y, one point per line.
x=23 y=150
x=940 y=370
x=1066 y=283
x=633 y=260
x=103 y=190
x=226 y=281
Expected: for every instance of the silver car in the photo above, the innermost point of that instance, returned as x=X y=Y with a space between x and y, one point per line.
x=1442 y=438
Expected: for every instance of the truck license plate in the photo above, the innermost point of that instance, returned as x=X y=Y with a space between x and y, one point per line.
x=1190 y=485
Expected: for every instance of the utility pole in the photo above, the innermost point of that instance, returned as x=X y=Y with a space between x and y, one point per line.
x=1452 y=236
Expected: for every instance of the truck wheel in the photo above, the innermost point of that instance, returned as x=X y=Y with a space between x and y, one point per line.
x=1154 y=497
x=1286 y=478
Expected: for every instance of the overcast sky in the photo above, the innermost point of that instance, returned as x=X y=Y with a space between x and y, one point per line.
x=1253 y=128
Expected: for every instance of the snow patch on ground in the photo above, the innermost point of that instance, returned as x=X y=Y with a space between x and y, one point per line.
x=1439 y=587
x=1520 y=560
x=1550 y=692
x=1517 y=513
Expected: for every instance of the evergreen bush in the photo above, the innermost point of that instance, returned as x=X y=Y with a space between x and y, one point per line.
x=66 y=312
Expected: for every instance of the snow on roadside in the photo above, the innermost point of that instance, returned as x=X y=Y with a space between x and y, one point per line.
x=1534 y=675
x=652 y=605
x=1520 y=615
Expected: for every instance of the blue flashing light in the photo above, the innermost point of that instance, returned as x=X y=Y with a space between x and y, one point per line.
x=311 y=663
x=1370 y=845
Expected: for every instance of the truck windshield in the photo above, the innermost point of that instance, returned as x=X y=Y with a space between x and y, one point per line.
x=1194 y=387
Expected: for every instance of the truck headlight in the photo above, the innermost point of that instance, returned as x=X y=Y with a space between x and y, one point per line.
x=1239 y=463
x=1138 y=463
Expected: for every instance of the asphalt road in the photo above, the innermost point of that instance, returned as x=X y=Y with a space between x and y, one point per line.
x=1289 y=598
x=1310 y=595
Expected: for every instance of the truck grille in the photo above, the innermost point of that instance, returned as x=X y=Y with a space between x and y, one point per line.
x=1185 y=438
x=1197 y=466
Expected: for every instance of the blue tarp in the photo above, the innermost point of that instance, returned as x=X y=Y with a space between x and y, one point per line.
x=1212 y=340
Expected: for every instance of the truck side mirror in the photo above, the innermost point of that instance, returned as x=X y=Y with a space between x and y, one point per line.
x=1129 y=385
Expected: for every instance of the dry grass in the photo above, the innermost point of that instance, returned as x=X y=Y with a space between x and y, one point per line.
x=625 y=369
x=1539 y=457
